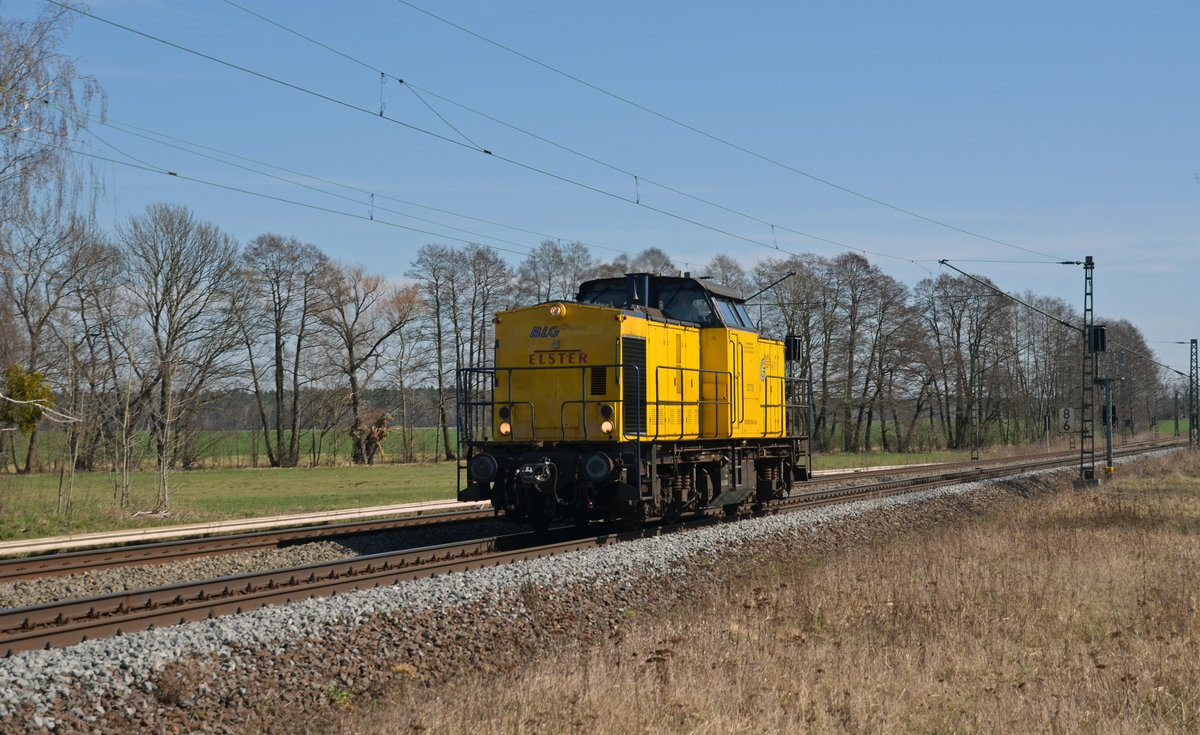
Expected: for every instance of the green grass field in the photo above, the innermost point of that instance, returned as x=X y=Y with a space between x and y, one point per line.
x=241 y=449
x=846 y=461
x=28 y=504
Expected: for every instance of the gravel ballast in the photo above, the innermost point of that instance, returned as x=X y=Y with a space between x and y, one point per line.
x=276 y=668
x=121 y=579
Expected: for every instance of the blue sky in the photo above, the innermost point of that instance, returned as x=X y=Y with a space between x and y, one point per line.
x=1063 y=128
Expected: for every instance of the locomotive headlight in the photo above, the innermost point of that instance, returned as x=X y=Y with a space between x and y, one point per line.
x=597 y=466
x=606 y=426
x=606 y=411
x=504 y=412
x=558 y=311
x=483 y=467
x=505 y=428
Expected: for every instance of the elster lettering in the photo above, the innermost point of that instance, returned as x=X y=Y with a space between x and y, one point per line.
x=558 y=358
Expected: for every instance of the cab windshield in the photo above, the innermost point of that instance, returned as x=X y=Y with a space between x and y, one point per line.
x=686 y=302
x=680 y=299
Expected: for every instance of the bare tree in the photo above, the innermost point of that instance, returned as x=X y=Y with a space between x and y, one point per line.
x=42 y=96
x=277 y=314
x=726 y=271
x=411 y=366
x=361 y=314
x=887 y=314
x=535 y=278
x=106 y=336
x=653 y=260
x=81 y=366
x=434 y=270
x=966 y=321
x=180 y=271
x=1134 y=376
x=484 y=277
x=11 y=345
x=39 y=269
x=650 y=260
x=578 y=265
x=44 y=104
x=786 y=308
x=552 y=271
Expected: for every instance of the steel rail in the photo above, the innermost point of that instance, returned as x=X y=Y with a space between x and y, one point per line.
x=107 y=557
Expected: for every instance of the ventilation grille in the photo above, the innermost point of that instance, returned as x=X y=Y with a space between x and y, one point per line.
x=599 y=381
x=633 y=385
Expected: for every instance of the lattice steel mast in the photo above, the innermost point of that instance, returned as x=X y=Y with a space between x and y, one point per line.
x=1087 y=438
x=1193 y=400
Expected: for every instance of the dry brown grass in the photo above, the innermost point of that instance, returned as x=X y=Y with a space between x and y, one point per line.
x=1073 y=613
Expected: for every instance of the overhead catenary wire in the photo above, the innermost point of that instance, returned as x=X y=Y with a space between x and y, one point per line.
x=148 y=166
x=718 y=139
x=326 y=193
x=1074 y=327
x=153 y=136
x=272 y=197
x=182 y=145
x=1004 y=293
x=421 y=94
x=638 y=179
x=438 y=136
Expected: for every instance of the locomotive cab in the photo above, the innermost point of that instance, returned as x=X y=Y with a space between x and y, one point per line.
x=645 y=396
x=682 y=299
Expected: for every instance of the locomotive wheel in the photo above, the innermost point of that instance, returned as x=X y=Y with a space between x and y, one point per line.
x=731 y=509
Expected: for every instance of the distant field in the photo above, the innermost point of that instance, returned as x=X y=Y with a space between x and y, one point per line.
x=28 y=503
x=248 y=449
x=243 y=448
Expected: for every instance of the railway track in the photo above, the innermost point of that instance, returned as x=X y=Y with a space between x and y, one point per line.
x=65 y=623
x=107 y=557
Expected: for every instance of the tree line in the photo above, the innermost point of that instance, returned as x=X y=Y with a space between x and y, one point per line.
x=145 y=329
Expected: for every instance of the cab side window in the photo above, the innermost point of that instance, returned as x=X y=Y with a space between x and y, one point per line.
x=729 y=314
x=741 y=310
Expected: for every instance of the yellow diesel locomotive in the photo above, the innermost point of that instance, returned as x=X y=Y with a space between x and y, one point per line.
x=647 y=396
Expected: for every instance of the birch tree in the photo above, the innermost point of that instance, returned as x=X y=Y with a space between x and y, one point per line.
x=43 y=98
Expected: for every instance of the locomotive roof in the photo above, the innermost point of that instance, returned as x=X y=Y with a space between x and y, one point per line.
x=705 y=284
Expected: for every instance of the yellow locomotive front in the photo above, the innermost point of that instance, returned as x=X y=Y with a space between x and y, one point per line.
x=647 y=395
